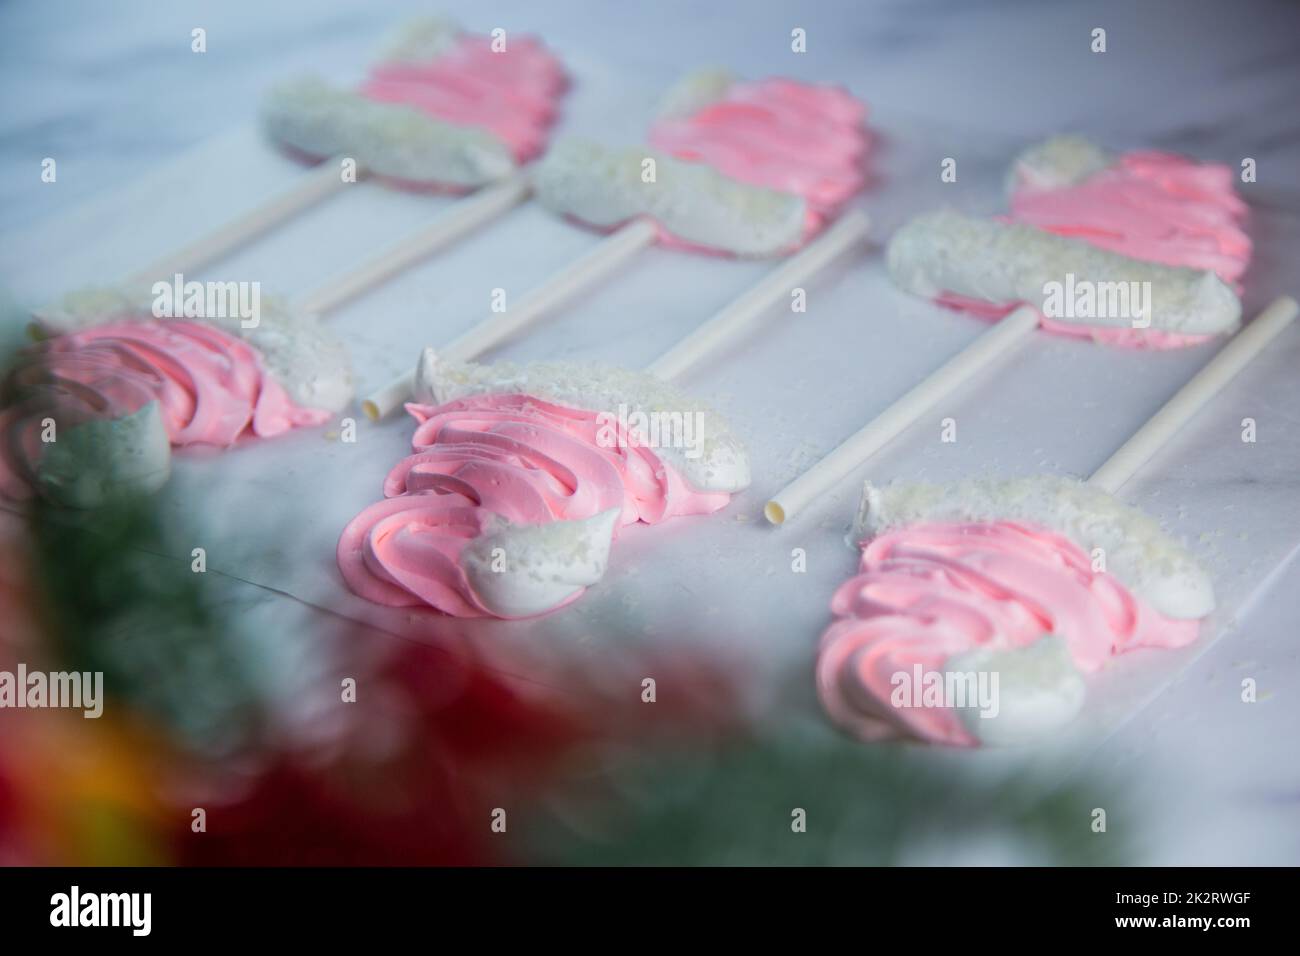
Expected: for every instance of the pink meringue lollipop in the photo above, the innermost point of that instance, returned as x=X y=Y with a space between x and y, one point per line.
x=521 y=476
x=734 y=168
x=1152 y=244
x=737 y=169
x=217 y=377
x=541 y=484
x=980 y=607
x=1154 y=206
x=209 y=380
x=442 y=110
x=78 y=430
x=1154 y=234
x=777 y=134
x=212 y=385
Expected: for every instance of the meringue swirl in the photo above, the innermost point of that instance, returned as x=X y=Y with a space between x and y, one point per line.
x=928 y=593
x=213 y=388
x=796 y=138
x=443 y=110
x=503 y=464
x=510 y=94
x=80 y=430
x=1147 y=205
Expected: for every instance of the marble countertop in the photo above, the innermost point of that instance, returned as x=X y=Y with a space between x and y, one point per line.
x=113 y=92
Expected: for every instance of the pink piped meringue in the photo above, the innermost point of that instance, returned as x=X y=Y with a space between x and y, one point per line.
x=1143 y=250
x=511 y=94
x=500 y=467
x=779 y=134
x=739 y=169
x=443 y=110
x=930 y=595
x=1152 y=206
x=212 y=386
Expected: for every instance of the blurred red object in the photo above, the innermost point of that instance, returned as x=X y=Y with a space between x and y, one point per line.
x=427 y=799
x=440 y=740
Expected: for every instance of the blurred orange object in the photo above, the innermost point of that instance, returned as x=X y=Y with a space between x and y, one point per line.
x=73 y=791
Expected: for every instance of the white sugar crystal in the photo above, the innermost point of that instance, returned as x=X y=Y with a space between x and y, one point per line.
x=388 y=139
x=998 y=262
x=521 y=570
x=1057 y=163
x=1039 y=691
x=693 y=201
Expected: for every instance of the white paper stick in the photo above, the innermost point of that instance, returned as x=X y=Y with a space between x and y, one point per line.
x=888 y=424
x=383 y=402
x=462 y=218
x=612 y=252
x=310 y=189
x=1189 y=399
x=851 y=229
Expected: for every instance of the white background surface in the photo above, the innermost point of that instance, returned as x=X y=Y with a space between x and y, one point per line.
x=154 y=145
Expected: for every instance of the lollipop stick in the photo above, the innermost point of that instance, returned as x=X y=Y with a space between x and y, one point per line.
x=777 y=284
x=384 y=401
x=311 y=188
x=1187 y=401
x=462 y=218
x=888 y=424
x=612 y=252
